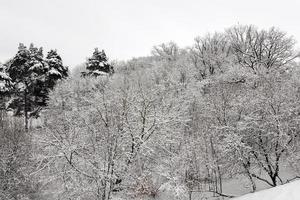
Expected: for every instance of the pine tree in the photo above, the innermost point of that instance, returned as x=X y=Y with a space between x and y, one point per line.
x=56 y=68
x=5 y=81
x=33 y=77
x=98 y=65
x=5 y=87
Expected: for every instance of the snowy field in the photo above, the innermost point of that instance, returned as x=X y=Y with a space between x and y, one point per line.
x=289 y=191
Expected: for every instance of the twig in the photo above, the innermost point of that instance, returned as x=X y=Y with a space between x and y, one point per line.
x=289 y=180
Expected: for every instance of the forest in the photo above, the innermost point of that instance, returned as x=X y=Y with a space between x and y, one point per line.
x=215 y=120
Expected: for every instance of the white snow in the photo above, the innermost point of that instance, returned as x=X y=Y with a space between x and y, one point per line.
x=54 y=72
x=21 y=86
x=289 y=191
x=172 y=190
x=54 y=61
x=3 y=87
x=36 y=66
x=4 y=76
x=99 y=72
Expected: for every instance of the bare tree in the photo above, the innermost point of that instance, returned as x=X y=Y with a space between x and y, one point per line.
x=261 y=49
x=210 y=54
x=166 y=51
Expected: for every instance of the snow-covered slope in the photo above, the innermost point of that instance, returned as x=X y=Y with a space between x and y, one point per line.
x=289 y=191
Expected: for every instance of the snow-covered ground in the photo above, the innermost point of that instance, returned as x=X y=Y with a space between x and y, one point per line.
x=289 y=191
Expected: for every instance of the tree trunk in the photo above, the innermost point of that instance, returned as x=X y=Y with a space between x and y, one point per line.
x=248 y=174
x=26 y=111
x=274 y=180
x=253 y=185
x=217 y=171
x=190 y=195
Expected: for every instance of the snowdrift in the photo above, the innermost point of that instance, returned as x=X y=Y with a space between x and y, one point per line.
x=289 y=191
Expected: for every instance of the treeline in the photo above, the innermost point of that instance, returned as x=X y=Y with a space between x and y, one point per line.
x=181 y=120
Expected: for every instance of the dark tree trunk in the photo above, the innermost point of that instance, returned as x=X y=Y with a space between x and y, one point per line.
x=26 y=111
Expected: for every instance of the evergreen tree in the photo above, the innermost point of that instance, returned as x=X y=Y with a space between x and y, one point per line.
x=5 y=87
x=98 y=65
x=56 y=68
x=5 y=81
x=33 y=77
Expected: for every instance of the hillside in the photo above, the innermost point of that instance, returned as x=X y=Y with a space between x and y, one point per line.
x=288 y=191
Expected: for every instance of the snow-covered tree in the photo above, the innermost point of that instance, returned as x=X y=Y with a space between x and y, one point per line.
x=16 y=161
x=56 y=69
x=32 y=77
x=261 y=50
x=5 y=81
x=210 y=55
x=98 y=64
x=166 y=51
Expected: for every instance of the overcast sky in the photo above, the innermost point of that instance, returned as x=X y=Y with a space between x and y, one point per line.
x=129 y=28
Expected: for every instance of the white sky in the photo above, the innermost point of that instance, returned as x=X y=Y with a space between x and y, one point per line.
x=129 y=28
